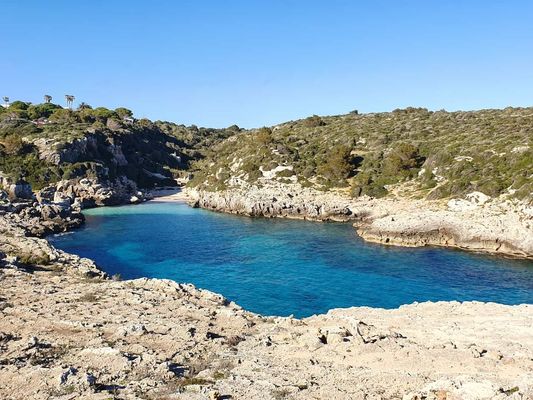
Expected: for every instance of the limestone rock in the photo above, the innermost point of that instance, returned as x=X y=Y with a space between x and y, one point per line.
x=91 y=192
x=133 y=339
x=477 y=198
x=504 y=227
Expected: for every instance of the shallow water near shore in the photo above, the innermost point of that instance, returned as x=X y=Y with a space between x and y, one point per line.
x=283 y=267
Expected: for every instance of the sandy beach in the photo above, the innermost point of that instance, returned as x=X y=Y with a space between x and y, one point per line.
x=169 y=195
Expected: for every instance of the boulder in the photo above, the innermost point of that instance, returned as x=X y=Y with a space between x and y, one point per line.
x=113 y=124
x=477 y=198
x=91 y=192
x=20 y=190
x=460 y=205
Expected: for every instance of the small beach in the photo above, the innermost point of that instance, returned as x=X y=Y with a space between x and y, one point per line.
x=169 y=195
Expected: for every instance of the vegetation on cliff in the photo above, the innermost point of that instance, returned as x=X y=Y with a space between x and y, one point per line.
x=435 y=154
x=430 y=154
x=45 y=143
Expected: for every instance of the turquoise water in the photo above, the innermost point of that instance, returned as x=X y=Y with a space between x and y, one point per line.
x=283 y=267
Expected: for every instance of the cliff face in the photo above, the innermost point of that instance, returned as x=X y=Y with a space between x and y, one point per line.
x=91 y=192
x=501 y=229
x=142 y=156
x=497 y=225
x=285 y=201
x=16 y=189
x=90 y=167
x=19 y=247
x=39 y=219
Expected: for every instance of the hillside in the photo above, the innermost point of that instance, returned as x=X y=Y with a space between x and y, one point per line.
x=44 y=144
x=422 y=154
x=412 y=152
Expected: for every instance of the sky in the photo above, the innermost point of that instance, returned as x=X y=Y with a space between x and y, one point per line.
x=255 y=63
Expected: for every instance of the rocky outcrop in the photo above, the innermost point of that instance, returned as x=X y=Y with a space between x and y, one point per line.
x=142 y=156
x=488 y=230
x=21 y=209
x=57 y=208
x=42 y=219
x=475 y=223
x=91 y=192
x=19 y=250
x=15 y=189
x=56 y=153
x=286 y=201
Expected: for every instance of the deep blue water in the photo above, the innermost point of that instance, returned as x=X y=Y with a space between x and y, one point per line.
x=283 y=267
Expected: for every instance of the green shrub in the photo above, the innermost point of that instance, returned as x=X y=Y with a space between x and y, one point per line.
x=313 y=121
x=65 y=116
x=34 y=259
x=336 y=167
x=44 y=110
x=123 y=112
x=18 y=105
x=264 y=136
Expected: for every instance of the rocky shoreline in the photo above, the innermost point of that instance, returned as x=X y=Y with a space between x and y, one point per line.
x=69 y=331
x=496 y=226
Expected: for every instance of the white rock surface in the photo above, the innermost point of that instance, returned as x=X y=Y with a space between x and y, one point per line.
x=62 y=335
x=477 y=198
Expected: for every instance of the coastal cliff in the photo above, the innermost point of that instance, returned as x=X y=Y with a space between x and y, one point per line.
x=504 y=229
x=498 y=226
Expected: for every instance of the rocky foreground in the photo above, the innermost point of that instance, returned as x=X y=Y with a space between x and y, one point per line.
x=67 y=331
x=67 y=337
x=476 y=223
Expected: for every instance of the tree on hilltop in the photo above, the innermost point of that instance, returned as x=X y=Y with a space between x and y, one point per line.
x=84 y=106
x=70 y=99
x=42 y=110
x=123 y=112
x=19 y=105
x=64 y=115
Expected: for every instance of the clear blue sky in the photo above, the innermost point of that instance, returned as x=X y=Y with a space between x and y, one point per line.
x=254 y=63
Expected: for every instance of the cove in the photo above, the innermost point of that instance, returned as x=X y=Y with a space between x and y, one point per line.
x=282 y=267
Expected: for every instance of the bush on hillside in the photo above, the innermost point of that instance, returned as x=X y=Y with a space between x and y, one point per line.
x=18 y=105
x=403 y=161
x=44 y=110
x=64 y=116
x=123 y=112
x=264 y=136
x=337 y=164
x=313 y=121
